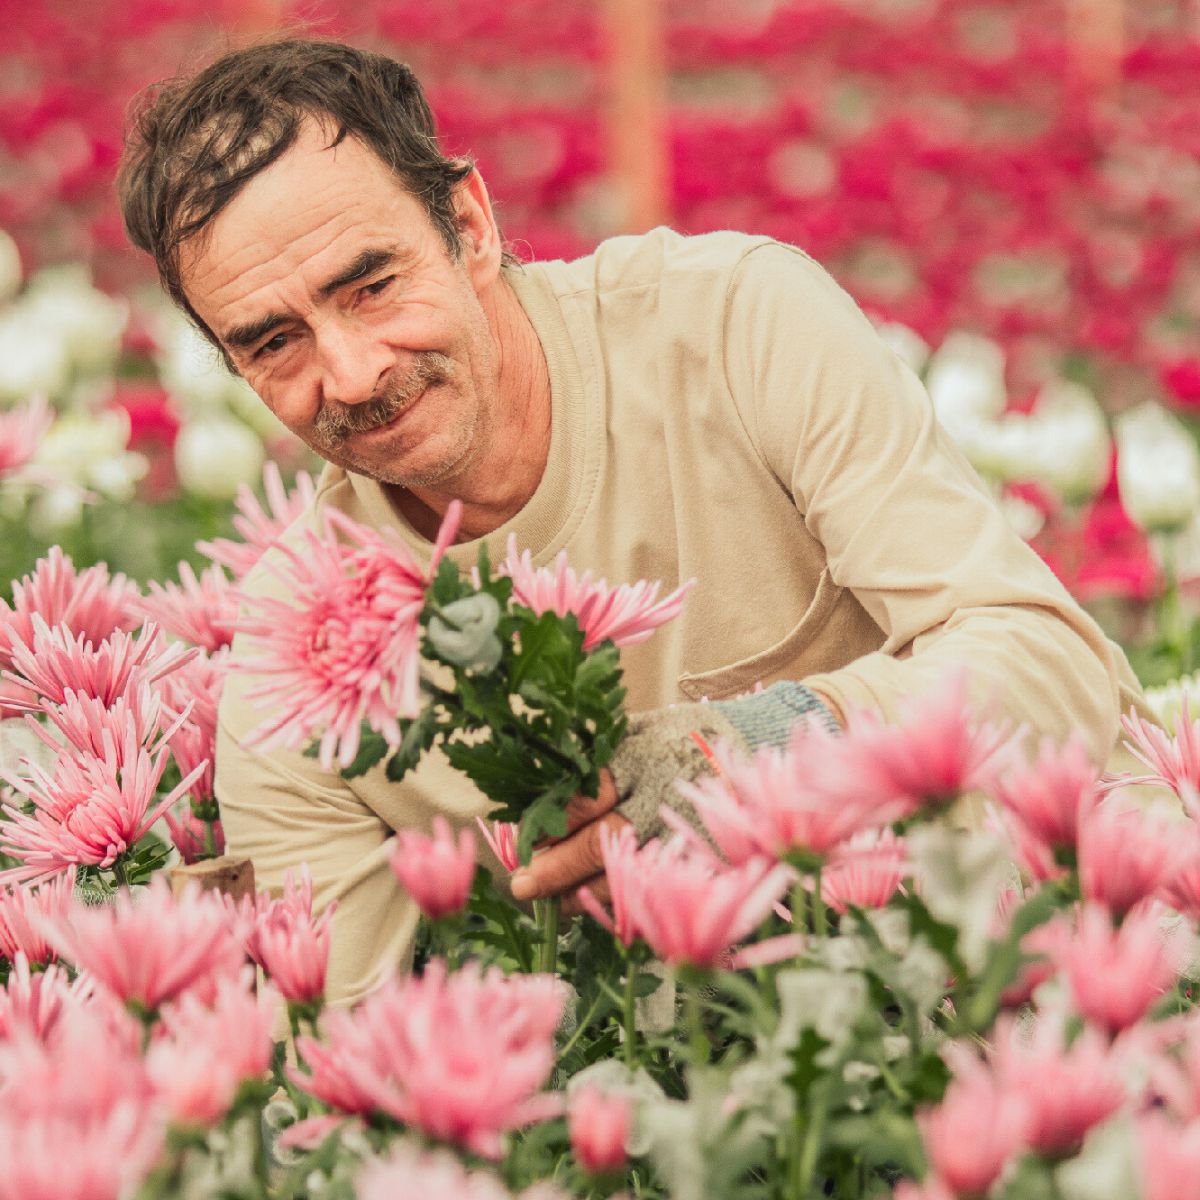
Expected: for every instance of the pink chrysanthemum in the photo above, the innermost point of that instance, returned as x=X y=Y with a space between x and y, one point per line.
x=87 y=723
x=87 y=602
x=21 y=431
x=1181 y=887
x=190 y=835
x=58 y=662
x=436 y=871
x=865 y=871
x=625 y=615
x=202 y=609
x=24 y=913
x=778 y=801
x=599 y=1125
x=937 y=751
x=460 y=1057
x=976 y=1131
x=1116 y=974
x=260 y=527
x=31 y=1002
x=1173 y=761
x=281 y=935
x=78 y=1116
x=501 y=837
x=685 y=905
x=1126 y=856
x=1168 y=1157
x=344 y=1040
x=1067 y=1090
x=90 y=810
x=346 y=647
x=1053 y=794
x=198 y=683
x=148 y=948
x=203 y=1052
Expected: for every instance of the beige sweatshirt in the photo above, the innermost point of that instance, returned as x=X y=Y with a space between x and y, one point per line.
x=720 y=410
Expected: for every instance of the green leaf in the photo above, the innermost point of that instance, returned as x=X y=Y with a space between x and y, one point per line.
x=928 y=1079
x=1005 y=958
x=941 y=936
x=371 y=749
x=804 y=1070
x=545 y=817
x=418 y=736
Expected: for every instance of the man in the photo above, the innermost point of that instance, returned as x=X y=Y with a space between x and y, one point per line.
x=669 y=408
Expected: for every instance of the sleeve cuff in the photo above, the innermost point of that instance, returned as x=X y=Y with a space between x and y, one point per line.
x=767 y=718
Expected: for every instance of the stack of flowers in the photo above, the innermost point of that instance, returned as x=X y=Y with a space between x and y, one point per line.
x=860 y=997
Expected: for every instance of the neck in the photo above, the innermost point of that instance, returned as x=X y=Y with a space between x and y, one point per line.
x=496 y=483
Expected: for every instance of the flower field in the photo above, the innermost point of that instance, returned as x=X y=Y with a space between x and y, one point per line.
x=929 y=960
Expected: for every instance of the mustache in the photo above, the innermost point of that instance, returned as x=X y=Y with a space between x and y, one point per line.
x=336 y=422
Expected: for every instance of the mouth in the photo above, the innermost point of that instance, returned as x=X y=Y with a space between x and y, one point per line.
x=396 y=421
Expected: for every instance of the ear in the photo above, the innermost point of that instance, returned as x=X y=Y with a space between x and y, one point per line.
x=477 y=230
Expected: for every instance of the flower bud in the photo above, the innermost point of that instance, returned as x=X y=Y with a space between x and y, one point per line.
x=599 y=1125
x=464 y=632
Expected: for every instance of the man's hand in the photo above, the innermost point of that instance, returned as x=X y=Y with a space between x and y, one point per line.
x=560 y=867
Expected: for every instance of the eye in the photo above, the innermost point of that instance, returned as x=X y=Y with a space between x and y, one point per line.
x=273 y=346
x=379 y=286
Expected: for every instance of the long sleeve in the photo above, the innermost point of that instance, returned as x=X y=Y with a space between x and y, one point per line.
x=904 y=521
x=282 y=810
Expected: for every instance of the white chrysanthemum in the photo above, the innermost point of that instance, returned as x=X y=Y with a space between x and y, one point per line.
x=1158 y=469
x=216 y=455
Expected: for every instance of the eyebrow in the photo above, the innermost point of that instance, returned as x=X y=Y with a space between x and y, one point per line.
x=245 y=335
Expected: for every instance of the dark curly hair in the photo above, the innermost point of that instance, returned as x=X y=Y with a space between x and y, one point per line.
x=194 y=142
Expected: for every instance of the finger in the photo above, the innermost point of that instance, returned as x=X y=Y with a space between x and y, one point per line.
x=572 y=905
x=582 y=810
x=566 y=864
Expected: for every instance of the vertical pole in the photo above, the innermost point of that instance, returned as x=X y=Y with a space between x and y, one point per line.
x=637 y=112
x=1096 y=42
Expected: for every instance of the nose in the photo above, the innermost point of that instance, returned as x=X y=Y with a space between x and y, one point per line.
x=352 y=364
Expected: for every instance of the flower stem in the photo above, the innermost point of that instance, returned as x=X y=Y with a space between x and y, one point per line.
x=630 y=1014
x=699 y=1047
x=120 y=874
x=809 y=1129
x=546 y=913
x=210 y=840
x=800 y=907
x=820 y=925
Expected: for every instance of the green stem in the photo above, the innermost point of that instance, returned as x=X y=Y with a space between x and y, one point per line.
x=520 y=948
x=699 y=1047
x=800 y=907
x=210 y=840
x=546 y=912
x=120 y=874
x=820 y=925
x=1170 y=609
x=630 y=1014
x=809 y=1131
x=582 y=1025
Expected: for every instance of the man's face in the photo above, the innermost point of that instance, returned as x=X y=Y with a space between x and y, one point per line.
x=340 y=304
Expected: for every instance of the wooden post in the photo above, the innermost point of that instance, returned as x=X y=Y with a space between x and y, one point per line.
x=1096 y=42
x=232 y=876
x=637 y=112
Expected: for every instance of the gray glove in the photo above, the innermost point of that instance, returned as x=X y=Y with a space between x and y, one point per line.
x=659 y=748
